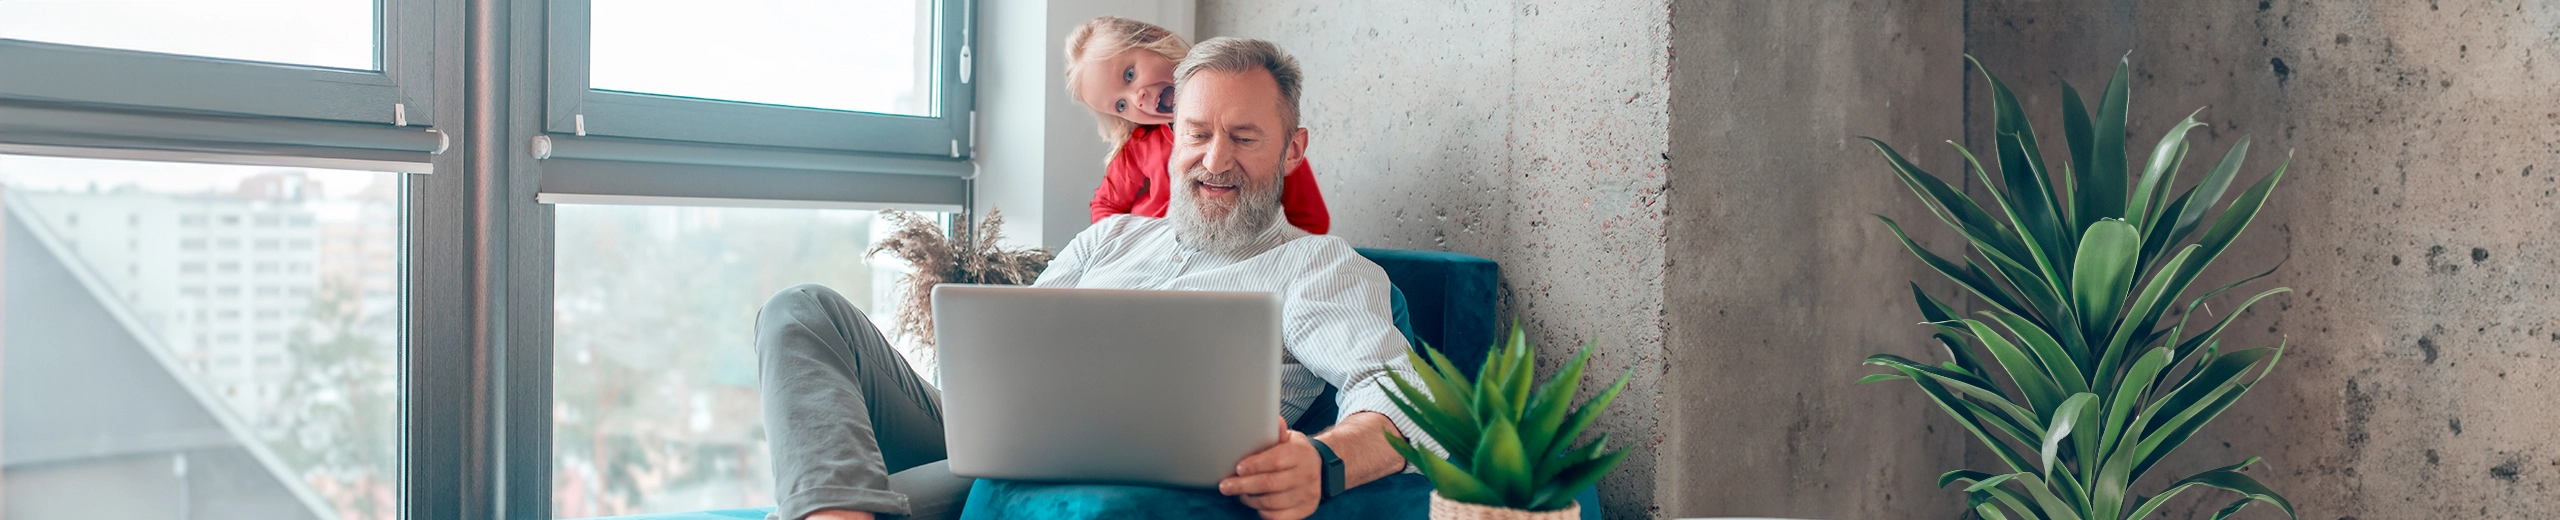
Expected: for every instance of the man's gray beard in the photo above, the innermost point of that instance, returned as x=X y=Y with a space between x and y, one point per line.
x=1258 y=208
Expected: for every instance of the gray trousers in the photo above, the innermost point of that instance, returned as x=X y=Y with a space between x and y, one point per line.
x=851 y=425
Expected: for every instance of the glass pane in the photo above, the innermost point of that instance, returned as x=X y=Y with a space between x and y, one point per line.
x=859 y=55
x=654 y=381
x=326 y=33
x=199 y=341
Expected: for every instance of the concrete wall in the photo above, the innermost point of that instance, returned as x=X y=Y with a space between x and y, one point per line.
x=2419 y=227
x=1781 y=279
x=1532 y=134
x=1682 y=181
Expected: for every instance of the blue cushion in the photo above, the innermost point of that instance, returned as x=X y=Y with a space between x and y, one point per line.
x=752 y=513
x=1397 y=496
x=1436 y=296
x=1401 y=496
x=1451 y=298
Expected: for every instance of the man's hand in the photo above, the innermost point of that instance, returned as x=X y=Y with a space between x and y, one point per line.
x=1283 y=482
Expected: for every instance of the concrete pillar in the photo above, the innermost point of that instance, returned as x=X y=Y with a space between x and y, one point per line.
x=1779 y=277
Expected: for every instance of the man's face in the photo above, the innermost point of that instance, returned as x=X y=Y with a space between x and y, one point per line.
x=1232 y=142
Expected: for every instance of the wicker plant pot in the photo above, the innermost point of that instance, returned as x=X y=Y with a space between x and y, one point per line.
x=1445 y=509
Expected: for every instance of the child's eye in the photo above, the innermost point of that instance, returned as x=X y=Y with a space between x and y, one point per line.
x=1128 y=74
x=1121 y=106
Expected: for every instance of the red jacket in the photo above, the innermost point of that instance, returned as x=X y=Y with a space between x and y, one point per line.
x=1130 y=184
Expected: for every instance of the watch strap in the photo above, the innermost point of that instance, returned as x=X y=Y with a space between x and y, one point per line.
x=1332 y=468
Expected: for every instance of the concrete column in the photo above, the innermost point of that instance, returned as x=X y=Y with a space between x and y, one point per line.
x=1779 y=277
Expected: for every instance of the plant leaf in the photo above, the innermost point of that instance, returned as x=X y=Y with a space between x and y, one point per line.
x=2039 y=388
x=2065 y=417
x=2054 y=507
x=1874 y=378
x=1587 y=413
x=1547 y=410
x=2226 y=478
x=1972 y=280
x=1449 y=480
x=2063 y=365
x=2210 y=191
x=1574 y=479
x=2128 y=395
x=1954 y=407
x=1501 y=464
x=2099 y=281
x=2158 y=174
x=2102 y=182
x=2077 y=130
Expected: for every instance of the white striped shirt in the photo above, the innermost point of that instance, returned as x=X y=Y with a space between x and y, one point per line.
x=1336 y=323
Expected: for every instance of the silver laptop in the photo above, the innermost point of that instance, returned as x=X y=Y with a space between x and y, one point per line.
x=1166 y=388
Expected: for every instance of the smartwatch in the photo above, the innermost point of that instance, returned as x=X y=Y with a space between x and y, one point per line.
x=1332 y=468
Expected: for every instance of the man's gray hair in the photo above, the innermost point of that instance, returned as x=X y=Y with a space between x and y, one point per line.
x=1229 y=54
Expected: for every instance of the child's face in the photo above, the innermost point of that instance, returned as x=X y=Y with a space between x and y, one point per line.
x=1136 y=85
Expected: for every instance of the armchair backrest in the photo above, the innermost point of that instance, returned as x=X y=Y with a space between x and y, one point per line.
x=1444 y=301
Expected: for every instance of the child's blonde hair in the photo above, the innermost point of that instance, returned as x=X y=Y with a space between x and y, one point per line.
x=1109 y=36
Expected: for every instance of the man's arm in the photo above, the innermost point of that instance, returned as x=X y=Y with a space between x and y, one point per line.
x=1340 y=327
x=1286 y=482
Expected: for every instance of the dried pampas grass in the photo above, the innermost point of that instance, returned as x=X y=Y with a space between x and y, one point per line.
x=974 y=258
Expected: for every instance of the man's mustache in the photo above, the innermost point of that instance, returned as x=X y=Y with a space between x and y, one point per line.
x=1197 y=174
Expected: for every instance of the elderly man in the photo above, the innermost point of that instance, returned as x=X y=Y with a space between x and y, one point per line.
x=855 y=432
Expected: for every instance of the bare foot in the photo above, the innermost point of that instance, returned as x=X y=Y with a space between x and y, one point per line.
x=838 y=514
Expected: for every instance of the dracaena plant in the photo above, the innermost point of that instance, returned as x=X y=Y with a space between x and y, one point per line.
x=2077 y=273
x=1510 y=445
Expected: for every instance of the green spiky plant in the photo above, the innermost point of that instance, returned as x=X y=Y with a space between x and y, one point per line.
x=2081 y=273
x=1509 y=445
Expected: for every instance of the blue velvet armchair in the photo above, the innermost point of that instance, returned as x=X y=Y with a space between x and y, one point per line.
x=1443 y=300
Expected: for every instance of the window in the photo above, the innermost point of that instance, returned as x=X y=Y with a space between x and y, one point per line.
x=849 y=107
x=868 y=56
x=327 y=60
x=329 y=423
x=883 y=76
x=677 y=397
x=325 y=33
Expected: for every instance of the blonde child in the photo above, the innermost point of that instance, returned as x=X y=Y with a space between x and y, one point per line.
x=1122 y=69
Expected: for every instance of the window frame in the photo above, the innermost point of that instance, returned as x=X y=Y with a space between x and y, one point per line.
x=401 y=93
x=572 y=108
x=476 y=235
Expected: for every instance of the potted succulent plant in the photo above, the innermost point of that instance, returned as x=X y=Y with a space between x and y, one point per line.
x=1511 y=445
x=2103 y=382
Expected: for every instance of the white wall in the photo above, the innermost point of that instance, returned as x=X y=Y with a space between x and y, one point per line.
x=1038 y=156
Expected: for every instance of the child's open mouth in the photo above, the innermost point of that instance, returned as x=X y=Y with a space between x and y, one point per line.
x=1164 y=101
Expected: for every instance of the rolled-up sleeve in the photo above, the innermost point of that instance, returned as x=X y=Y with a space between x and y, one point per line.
x=1340 y=326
